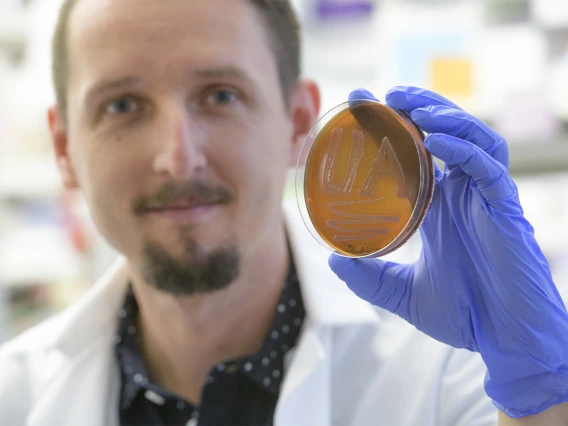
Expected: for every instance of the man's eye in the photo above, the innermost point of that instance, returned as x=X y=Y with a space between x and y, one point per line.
x=121 y=106
x=221 y=97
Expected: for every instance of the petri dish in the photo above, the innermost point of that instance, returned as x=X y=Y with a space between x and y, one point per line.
x=364 y=180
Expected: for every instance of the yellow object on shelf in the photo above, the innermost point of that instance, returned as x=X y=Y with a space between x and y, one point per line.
x=452 y=77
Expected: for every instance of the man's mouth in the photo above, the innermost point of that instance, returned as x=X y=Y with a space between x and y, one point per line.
x=186 y=212
x=183 y=205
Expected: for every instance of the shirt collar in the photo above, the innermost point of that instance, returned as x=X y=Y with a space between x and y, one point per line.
x=134 y=374
x=265 y=367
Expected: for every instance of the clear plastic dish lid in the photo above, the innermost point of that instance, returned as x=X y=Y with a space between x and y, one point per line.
x=364 y=179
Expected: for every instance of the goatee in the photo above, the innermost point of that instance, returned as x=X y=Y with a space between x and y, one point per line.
x=193 y=272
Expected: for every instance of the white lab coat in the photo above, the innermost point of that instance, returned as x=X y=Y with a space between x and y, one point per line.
x=353 y=365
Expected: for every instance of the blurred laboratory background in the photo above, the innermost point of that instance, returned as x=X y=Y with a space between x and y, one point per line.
x=505 y=61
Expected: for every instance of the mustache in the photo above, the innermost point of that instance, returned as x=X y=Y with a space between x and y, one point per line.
x=172 y=193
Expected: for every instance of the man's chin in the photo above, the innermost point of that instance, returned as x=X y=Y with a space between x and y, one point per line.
x=193 y=271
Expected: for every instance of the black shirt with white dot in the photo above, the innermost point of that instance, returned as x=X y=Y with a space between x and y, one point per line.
x=238 y=392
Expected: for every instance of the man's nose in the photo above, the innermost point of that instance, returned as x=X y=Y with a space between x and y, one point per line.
x=180 y=151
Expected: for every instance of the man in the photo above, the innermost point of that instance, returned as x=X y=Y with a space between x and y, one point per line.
x=177 y=120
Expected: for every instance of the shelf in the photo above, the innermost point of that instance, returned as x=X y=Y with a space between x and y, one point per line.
x=532 y=159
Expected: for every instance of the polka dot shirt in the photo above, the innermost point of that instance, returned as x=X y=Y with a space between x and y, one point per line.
x=238 y=392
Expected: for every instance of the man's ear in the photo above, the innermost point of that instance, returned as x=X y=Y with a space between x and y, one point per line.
x=304 y=110
x=59 y=139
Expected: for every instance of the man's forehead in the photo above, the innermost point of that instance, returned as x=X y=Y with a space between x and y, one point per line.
x=97 y=21
x=108 y=34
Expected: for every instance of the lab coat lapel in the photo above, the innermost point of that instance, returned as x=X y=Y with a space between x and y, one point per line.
x=85 y=390
x=70 y=402
x=305 y=397
x=305 y=394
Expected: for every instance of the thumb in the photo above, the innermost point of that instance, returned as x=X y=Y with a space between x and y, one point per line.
x=360 y=94
x=381 y=283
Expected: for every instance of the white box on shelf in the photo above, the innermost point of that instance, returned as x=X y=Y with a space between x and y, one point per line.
x=550 y=13
x=30 y=176
x=37 y=255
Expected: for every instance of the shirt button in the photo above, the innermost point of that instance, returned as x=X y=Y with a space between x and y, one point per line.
x=154 y=397
x=194 y=419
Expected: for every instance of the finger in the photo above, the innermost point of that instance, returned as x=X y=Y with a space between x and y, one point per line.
x=460 y=124
x=361 y=94
x=363 y=111
x=491 y=177
x=381 y=283
x=409 y=98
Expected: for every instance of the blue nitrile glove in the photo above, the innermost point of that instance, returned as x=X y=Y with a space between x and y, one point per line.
x=481 y=282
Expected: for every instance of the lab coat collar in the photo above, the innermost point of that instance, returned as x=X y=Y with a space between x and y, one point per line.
x=96 y=314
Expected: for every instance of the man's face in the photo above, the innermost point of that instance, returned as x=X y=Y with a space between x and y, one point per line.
x=177 y=131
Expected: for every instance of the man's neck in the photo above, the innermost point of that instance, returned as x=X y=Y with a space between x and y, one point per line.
x=182 y=338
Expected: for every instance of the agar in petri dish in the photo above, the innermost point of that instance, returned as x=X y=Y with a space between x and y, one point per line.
x=364 y=179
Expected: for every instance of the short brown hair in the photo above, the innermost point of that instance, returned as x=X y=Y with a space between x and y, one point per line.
x=280 y=21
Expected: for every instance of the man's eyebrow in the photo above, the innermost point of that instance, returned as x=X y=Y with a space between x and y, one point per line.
x=222 y=72
x=111 y=84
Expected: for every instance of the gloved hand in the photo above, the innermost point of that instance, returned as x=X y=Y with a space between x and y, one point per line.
x=481 y=281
